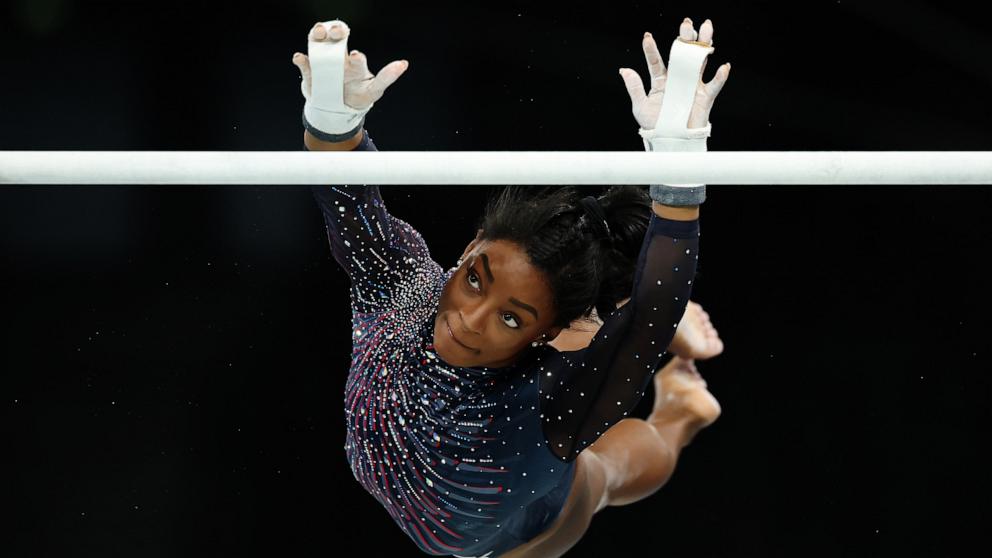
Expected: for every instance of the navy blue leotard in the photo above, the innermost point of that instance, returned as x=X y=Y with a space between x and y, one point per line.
x=476 y=461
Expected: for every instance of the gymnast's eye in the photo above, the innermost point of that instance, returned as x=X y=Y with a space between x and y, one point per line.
x=510 y=320
x=473 y=279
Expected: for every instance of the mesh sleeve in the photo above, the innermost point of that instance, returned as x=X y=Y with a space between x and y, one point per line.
x=595 y=388
x=382 y=255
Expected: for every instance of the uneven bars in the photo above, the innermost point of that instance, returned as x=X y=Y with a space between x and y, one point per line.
x=495 y=167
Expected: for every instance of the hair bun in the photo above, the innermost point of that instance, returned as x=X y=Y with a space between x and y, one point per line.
x=553 y=226
x=595 y=217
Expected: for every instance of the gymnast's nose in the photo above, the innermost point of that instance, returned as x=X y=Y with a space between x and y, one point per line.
x=473 y=318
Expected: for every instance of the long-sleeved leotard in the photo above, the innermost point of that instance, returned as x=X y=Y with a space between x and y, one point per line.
x=470 y=461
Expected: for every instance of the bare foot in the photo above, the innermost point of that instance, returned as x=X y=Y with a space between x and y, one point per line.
x=695 y=336
x=681 y=399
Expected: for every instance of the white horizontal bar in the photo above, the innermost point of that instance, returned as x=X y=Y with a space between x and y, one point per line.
x=495 y=167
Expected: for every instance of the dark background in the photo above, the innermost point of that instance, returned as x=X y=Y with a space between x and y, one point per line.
x=173 y=358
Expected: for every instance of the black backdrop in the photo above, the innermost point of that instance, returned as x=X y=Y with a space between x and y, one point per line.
x=173 y=358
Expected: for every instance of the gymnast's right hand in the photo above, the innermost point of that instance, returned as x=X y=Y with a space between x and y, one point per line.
x=337 y=85
x=647 y=107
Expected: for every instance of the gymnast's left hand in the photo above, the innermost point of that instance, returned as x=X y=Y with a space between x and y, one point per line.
x=361 y=87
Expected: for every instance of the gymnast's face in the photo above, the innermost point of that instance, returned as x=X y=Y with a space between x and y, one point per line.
x=495 y=304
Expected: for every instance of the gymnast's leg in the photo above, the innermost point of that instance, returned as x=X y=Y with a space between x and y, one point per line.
x=635 y=457
x=640 y=455
x=632 y=460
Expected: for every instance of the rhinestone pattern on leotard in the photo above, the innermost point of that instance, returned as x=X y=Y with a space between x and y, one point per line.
x=456 y=455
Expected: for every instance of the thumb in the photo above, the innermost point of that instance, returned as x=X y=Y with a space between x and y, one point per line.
x=386 y=77
x=302 y=61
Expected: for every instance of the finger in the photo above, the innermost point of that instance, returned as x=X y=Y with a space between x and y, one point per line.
x=716 y=84
x=359 y=62
x=635 y=87
x=386 y=77
x=302 y=62
x=318 y=32
x=655 y=66
x=337 y=32
x=686 y=31
x=706 y=32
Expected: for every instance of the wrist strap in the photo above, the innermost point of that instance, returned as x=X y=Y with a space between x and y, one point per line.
x=678 y=196
x=324 y=136
x=693 y=139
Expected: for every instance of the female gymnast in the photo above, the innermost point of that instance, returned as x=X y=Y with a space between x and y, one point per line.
x=482 y=422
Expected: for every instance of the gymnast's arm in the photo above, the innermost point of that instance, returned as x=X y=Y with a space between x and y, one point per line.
x=314 y=144
x=598 y=387
x=382 y=255
x=688 y=213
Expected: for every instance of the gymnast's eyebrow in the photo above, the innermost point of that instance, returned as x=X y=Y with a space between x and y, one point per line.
x=525 y=306
x=485 y=264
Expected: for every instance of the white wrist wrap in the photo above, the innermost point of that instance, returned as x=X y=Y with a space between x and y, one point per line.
x=325 y=109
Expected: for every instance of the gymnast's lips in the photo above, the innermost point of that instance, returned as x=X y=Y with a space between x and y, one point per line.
x=452 y=335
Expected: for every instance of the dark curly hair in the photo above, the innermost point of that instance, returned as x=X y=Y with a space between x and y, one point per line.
x=583 y=269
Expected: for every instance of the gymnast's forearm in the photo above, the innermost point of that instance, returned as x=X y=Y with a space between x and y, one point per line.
x=681 y=213
x=314 y=144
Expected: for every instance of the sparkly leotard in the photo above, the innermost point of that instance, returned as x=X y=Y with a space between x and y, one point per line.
x=476 y=461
